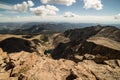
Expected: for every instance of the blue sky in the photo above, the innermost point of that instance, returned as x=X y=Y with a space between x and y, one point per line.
x=110 y=8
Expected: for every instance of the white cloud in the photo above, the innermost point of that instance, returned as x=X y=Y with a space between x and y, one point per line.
x=69 y=14
x=80 y=19
x=17 y=17
x=30 y=3
x=23 y=7
x=63 y=2
x=5 y=6
x=10 y=12
x=117 y=16
x=44 y=10
x=1 y=15
x=95 y=4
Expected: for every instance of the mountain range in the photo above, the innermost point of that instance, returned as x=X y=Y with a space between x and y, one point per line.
x=87 y=53
x=37 y=27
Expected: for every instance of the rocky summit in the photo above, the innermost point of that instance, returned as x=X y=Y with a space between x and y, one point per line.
x=91 y=53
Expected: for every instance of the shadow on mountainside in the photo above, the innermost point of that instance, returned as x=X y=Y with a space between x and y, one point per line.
x=80 y=44
x=11 y=45
x=71 y=49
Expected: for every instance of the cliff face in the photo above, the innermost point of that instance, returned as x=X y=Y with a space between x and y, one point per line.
x=102 y=41
x=70 y=50
x=109 y=32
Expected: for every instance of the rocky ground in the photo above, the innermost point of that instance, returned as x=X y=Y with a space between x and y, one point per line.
x=30 y=66
x=82 y=54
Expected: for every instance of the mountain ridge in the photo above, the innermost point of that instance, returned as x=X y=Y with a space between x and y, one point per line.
x=102 y=40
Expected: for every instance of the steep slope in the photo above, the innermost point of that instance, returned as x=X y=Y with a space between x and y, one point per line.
x=108 y=36
x=95 y=40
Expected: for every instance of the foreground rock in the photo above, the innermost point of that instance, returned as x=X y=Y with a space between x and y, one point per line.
x=6 y=65
x=30 y=66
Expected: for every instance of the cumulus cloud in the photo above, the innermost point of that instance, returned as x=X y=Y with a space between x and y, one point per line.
x=23 y=7
x=69 y=14
x=63 y=2
x=44 y=10
x=117 y=16
x=95 y=4
x=30 y=3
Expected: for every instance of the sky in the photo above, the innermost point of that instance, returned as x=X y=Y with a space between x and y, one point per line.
x=85 y=11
